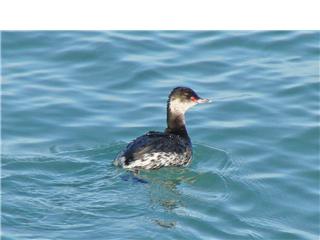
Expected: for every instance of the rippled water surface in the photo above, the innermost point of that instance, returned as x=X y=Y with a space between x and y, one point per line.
x=72 y=100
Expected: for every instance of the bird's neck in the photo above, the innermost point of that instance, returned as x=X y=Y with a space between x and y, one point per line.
x=176 y=122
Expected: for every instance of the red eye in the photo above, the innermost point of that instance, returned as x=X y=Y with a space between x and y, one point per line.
x=193 y=99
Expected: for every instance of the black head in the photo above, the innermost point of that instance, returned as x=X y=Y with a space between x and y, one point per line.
x=183 y=94
x=182 y=98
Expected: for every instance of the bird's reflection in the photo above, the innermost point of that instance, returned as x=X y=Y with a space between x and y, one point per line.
x=165 y=194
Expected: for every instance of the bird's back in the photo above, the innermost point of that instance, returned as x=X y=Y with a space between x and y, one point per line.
x=154 y=150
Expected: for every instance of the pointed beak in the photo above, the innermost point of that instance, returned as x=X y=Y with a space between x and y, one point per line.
x=203 y=100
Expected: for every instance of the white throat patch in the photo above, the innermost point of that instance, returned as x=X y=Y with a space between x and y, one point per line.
x=176 y=106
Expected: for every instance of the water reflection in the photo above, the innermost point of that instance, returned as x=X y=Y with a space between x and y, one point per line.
x=169 y=194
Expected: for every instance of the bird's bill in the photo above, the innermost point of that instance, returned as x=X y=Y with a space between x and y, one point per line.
x=203 y=100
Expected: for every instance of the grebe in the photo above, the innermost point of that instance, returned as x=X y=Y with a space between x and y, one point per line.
x=169 y=148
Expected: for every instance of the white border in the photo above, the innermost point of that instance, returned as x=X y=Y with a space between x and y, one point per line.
x=159 y=14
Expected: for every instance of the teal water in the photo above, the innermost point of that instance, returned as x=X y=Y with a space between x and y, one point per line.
x=72 y=100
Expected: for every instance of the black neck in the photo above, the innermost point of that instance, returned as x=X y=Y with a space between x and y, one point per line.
x=176 y=123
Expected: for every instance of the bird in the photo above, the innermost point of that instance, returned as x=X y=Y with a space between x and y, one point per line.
x=172 y=147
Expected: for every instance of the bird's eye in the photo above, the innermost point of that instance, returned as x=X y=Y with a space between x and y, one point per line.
x=193 y=99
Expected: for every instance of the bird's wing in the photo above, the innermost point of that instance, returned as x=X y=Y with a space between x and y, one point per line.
x=151 y=142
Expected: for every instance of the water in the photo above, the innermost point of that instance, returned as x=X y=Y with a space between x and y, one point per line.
x=72 y=100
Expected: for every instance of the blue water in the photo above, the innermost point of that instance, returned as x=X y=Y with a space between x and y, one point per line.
x=72 y=100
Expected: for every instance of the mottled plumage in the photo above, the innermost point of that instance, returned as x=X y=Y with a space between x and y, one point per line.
x=155 y=150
